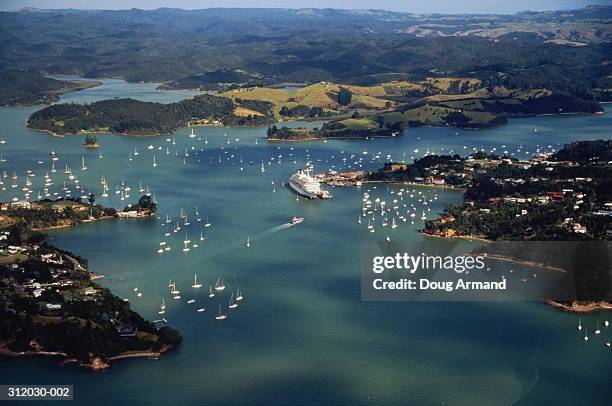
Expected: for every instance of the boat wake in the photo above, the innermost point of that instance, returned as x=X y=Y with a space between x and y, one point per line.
x=273 y=230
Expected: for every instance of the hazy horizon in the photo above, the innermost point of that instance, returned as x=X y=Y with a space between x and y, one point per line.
x=433 y=6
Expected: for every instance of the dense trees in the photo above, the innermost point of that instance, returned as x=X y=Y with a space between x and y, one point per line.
x=129 y=116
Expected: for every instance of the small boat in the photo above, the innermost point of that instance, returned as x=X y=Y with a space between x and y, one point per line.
x=220 y=316
x=190 y=301
x=296 y=220
x=219 y=286
x=232 y=303
x=195 y=282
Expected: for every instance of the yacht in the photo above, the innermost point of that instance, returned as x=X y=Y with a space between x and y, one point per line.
x=306 y=185
x=232 y=303
x=195 y=282
x=219 y=286
x=220 y=316
x=296 y=220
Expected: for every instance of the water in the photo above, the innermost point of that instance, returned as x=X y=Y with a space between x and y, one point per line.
x=301 y=335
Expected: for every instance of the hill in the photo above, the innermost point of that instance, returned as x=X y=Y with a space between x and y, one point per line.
x=25 y=88
x=135 y=117
x=204 y=48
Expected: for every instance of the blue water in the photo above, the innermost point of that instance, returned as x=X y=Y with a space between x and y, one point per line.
x=302 y=334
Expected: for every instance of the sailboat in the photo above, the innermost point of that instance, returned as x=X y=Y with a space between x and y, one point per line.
x=232 y=304
x=154 y=163
x=162 y=307
x=195 y=282
x=210 y=292
x=220 y=316
x=219 y=286
x=207 y=224
x=192 y=135
x=239 y=296
x=83 y=166
x=248 y=242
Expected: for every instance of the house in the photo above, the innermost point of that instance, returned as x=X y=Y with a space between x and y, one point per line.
x=580 y=229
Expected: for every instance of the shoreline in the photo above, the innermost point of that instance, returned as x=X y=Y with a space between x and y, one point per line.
x=458 y=237
x=96 y=363
x=352 y=183
x=299 y=120
x=578 y=307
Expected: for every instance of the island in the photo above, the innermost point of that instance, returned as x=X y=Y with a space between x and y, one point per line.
x=135 y=117
x=20 y=88
x=49 y=302
x=350 y=111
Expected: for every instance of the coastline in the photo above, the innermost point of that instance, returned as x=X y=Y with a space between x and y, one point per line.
x=96 y=364
x=85 y=132
x=458 y=237
x=581 y=307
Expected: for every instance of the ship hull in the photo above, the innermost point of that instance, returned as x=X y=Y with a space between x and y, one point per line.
x=301 y=191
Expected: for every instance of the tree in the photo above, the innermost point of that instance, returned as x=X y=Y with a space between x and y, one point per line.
x=91 y=140
x=146 y=202
x=344 y=96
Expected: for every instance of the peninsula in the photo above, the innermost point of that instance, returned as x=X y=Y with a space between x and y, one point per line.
x=20 y=88
x=49 y=304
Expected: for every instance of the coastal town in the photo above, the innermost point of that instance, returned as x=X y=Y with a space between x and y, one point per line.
x=551 y=196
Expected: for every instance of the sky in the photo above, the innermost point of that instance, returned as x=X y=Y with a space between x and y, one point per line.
x=414 y=6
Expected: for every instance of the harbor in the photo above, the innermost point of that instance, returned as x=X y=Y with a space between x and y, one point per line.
x=225 y=227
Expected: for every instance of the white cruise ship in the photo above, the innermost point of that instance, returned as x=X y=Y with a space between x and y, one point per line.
x=306 y=185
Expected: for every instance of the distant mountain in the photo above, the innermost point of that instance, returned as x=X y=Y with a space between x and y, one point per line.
x=563 y=50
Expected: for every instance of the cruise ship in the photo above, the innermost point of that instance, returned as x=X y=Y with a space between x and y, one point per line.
x=306 y=185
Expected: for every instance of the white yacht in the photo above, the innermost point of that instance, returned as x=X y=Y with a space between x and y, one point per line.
x=221 y=316
x=195 y=282
x=219 y=286
x=296 y=220
x=306 y=185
